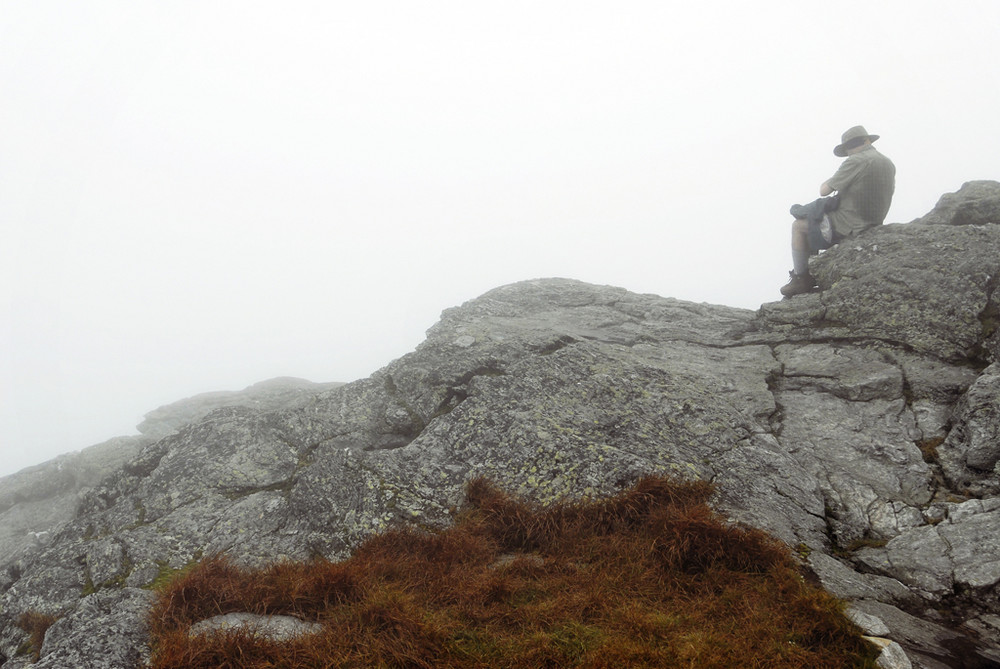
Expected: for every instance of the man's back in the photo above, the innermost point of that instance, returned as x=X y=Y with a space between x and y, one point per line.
x=865 y=182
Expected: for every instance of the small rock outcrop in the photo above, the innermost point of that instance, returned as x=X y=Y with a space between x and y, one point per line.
x=858 y=424
x=284 y=392
x=38 y=500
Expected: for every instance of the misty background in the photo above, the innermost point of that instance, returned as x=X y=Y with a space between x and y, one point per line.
x=197 y=196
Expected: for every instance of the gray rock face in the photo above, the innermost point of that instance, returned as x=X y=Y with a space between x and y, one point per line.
x=971 y=450
x=280 y=393
x=857 y=424
x=37 y=501
x=975 y=203
x=100 y=632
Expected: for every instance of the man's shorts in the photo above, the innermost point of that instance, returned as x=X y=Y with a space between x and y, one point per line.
x=821 y=235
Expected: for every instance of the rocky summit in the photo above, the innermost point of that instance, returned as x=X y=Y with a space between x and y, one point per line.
x=859 y=424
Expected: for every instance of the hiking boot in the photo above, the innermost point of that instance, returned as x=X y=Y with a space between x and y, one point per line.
x=798 y=284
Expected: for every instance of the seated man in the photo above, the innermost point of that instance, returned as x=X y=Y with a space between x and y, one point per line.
x=864 y=183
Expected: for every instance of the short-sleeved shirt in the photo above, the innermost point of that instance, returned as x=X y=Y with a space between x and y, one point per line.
x=865 y=183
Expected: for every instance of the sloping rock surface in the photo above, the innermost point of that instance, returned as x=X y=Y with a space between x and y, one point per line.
x=857 y=424
x=285 y=392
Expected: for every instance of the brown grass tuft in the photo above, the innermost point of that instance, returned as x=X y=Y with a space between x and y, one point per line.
x=648 y=578
x=36 y=625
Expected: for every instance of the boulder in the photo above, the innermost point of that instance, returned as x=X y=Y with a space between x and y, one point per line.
x=970 y=453
x=277 y=628
x=975 y=203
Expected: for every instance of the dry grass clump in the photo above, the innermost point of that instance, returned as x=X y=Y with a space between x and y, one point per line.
x=648 y=578
x=36 y=624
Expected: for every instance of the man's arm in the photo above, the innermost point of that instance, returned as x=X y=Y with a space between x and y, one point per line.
x=825 y=189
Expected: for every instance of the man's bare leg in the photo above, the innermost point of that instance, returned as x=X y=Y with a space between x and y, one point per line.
x=800 y=246
x=800 y=281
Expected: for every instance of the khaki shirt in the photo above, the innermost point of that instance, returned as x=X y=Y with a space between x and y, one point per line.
x=865 y=183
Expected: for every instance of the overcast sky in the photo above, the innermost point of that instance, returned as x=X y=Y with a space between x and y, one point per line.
x=197 y=196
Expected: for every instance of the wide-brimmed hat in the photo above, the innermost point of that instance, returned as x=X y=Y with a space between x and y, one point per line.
x=849 y=136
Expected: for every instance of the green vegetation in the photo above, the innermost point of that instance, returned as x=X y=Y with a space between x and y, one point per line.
x=88 y=586
x=648 y=578
x=166 y=575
